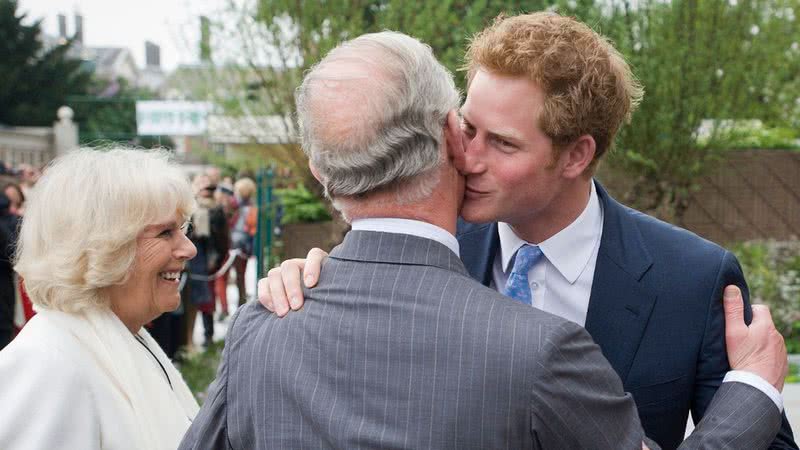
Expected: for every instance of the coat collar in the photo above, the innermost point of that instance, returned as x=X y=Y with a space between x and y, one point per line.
x=395 y=248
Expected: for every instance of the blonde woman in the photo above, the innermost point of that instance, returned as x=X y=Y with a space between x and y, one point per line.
x=101 y=249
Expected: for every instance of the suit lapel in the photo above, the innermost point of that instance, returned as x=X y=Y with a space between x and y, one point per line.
x=478 y=244
x=619 y=305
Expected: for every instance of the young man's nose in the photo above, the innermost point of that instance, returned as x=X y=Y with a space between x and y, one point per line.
x=473 y=156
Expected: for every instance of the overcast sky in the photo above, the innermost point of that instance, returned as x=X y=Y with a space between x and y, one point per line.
x=172 y=24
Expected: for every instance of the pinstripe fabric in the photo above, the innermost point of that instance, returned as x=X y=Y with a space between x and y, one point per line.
x=398 y=348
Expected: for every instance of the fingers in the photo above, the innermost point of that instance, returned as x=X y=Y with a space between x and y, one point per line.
x=290 y=279
x=276 y=291
x=734 y=310
x=282 y=290
x=264 y=296
x=313 y=266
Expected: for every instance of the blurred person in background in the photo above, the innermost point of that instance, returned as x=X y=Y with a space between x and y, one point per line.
x=214 y=175
x=211 y=237
x=84 y=373
x=28 y=177
x=225 y=197
x=13 y=192
x=8 y=237
x=22 y=308
x=243 y=231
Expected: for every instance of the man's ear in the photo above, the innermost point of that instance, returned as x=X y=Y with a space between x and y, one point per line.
x=578 y=156
x=454 y=143
x=314 y=171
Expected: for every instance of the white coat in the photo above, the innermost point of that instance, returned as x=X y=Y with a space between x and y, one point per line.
x=82 y=381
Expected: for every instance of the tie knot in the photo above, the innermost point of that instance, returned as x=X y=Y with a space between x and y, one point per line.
x=527 y=256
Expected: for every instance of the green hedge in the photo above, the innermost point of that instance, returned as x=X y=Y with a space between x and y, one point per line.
x=772 y=270
x=301 y=205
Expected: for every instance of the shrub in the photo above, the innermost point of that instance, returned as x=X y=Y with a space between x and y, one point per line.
x=301 y=205
x=772 y=270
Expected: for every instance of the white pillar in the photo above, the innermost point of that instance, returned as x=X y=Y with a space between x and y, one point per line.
x=65 y=131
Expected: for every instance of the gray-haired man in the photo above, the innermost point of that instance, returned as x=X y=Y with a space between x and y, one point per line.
x=397 y=347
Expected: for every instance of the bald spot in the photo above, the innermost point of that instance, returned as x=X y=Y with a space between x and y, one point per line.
x=347 y=101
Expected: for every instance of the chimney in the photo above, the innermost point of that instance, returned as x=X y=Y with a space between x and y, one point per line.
x=79 y=28
x=152 y=55
x=62 y=26
x=205 y=39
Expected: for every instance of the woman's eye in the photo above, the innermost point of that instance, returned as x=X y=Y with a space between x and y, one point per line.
x=165 y=234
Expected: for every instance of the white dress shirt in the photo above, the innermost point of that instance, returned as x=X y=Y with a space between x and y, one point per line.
x=561 y=282
x=408 y=226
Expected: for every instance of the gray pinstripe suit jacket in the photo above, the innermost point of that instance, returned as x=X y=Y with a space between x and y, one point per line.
x=398 y=348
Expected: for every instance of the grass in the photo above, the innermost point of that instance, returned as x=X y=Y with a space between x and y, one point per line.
x=794 y=374
x=200 y=368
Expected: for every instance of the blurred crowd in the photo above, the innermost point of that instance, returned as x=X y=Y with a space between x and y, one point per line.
x=223 y=230
x=15 y=308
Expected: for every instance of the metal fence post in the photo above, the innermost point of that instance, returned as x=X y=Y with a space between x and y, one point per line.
x=266 y=211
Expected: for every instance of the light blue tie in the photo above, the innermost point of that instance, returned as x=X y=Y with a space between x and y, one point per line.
x=517 y=286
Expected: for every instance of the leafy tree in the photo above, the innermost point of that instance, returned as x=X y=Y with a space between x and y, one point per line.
x=705 y=66
x=35 y=81
x=276 y=41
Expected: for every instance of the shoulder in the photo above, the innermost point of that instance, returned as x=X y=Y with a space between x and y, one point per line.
x=45 y=359
x=52 y=344
x=245 y=324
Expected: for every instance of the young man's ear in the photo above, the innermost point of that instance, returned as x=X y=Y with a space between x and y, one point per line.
x=454 y=143
x=578 y=156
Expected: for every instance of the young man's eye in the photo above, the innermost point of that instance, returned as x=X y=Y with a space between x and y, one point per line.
x=504 y=143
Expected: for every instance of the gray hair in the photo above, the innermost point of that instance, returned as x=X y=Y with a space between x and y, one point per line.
x=372 y=113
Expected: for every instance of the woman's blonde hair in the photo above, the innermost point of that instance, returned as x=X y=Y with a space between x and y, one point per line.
x=83 y=217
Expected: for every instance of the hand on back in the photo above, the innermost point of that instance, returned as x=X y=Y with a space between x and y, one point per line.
x=282 y=290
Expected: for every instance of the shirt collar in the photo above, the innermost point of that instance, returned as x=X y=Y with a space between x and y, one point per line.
x=568 y=250
x=408 y=226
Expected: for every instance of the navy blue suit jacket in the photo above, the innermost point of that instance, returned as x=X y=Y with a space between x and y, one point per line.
x=655 y=310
